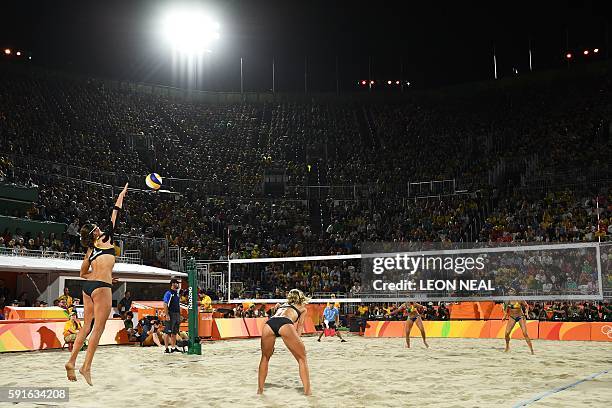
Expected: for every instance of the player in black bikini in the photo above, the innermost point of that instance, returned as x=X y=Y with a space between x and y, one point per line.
x=282 y=324
x=97 y=270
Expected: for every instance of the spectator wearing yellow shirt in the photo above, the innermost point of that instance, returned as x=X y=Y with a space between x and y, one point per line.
x=362 y=318
x=255 y=251
x=71 y=329
x=183 y=297
x=206 y=303
x=362 y=310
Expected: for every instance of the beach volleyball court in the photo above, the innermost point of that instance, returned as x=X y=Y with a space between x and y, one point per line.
x=364 y=372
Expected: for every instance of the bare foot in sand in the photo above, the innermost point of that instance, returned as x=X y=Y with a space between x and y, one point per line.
x=86 y=375
x=70 y=371
x=426 y=345
x=260 y=391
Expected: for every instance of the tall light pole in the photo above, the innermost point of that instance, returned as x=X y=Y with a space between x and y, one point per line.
x=401 y=75
x=567 y=45
x=369 y=74
x=305 y=74
x=530 y=61
x=337 y=80
x=494 y=64
x=241 y=78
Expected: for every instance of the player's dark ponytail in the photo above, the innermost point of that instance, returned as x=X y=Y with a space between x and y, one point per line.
x=87 y=235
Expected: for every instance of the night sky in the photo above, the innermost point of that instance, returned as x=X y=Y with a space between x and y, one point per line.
x=438 y=42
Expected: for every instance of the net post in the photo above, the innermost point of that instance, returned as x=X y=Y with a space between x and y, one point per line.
x=229 y=281
x=194 y=346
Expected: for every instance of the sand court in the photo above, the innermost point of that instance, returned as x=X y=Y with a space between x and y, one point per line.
x=364 y=372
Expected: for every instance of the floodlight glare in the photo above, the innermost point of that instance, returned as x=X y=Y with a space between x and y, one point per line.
x=596 y=50
x=190 y=32
x=7 y=51
x=18 y=53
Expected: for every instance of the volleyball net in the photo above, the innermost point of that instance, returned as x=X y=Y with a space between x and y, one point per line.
x=391 y=272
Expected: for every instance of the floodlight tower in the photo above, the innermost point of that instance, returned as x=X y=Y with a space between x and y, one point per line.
x=191 y=34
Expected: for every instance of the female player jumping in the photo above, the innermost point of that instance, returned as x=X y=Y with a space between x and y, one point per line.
x=514 y=310
x=97 y=292
x=414 y=316
x=282 y=324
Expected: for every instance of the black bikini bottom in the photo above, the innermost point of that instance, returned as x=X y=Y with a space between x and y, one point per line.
x=276 y=323
x=90 y=286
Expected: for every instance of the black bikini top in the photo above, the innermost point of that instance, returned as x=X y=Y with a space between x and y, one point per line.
x=105 y=237
x=293 y=307
x=96 y=252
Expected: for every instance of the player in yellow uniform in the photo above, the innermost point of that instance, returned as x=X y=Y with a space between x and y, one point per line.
x=414 y=316
x=514 y=311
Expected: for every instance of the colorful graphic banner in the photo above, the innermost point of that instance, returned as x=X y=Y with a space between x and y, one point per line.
x=28 y=336
x=585 y=331
x=601 y=331
x=565 y=331
x=25 y=313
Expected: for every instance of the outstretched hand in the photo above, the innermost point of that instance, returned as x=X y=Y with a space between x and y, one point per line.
x=124 y=191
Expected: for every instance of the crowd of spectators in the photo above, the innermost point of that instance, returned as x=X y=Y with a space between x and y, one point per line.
x=55 y=122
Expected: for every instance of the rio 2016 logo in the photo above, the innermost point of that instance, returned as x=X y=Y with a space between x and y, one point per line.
x=190 y=298
x=607 y=330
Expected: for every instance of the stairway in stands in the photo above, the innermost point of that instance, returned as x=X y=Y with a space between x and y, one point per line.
x=316 y=203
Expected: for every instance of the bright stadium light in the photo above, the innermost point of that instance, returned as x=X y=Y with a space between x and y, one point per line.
x=18 y=53
x=7 y=51
x=585 y=52
x=596 y=50
x=190 y=31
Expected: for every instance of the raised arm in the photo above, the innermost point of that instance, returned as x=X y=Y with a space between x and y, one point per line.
x=118 y=204
x=399 y=309
x=525 y=308
x=85 y=264
x=505 y=312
